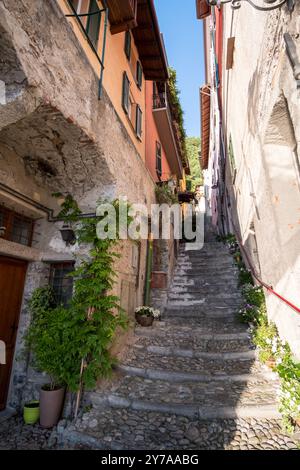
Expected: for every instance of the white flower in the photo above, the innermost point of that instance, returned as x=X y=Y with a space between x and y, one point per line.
x=268 y=341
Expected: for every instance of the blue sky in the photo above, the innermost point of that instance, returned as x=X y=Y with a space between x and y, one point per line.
x=184 y=43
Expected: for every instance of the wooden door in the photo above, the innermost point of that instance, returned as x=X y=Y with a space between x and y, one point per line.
x=12 y=278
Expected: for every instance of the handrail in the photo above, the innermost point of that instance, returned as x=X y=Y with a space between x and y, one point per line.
x=256 y=276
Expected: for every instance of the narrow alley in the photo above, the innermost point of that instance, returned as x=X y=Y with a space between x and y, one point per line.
x=193 y=380
x=150 y=227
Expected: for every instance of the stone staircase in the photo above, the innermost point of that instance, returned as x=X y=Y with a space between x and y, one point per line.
x=192 y=381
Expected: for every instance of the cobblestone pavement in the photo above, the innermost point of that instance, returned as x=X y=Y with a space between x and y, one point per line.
x=14 y=434
x=192 y=381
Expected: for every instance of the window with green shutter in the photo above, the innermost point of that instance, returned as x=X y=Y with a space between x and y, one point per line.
x=158 y=159
x=139 y=120
x=93 y=23
x=125 y=93
x=139 y=74
x=128 y=44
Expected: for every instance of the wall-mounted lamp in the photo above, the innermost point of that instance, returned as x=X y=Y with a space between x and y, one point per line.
x=2 y=231
x=68 y=235
x=273 y=4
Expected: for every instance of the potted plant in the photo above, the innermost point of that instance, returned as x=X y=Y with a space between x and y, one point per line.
x=45 y=339
x=31 y=412
x=146 y=315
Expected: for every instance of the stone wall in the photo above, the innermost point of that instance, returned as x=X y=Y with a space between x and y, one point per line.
x=56 y=136
x=262 y=117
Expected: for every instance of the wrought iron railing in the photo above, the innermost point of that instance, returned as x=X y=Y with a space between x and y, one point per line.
x=160 y=101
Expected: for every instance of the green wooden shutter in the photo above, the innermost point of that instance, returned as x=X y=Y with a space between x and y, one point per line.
x=127 y=47
x=158 y=159
x=139 y=74
x=138 y=125
x=125 y=93
x=93 y=23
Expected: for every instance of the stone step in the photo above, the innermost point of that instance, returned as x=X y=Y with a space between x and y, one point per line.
x=202 y=316
x=208 y=272
x=219 y=393
x=204 y=289
x=198 y=411
x=209 y=364
x=205 y=305
x=179 y=294
x=205 y=324
x=261 y=375
x=203 y=283
x=195 y=353
x=197 y=342
x=218 y=276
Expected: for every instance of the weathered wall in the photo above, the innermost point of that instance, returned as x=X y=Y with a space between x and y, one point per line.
x=56 y=136
x=116 y=63
x=262 y=116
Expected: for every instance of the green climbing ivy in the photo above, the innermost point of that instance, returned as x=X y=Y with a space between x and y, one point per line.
x=61 y=337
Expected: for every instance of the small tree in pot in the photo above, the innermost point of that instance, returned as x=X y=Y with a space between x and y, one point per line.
x=45 y=338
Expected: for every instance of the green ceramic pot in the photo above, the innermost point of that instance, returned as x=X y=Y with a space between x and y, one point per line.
x=31 y=412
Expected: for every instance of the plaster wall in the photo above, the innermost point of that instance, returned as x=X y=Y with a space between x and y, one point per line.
x=261 y=105
x=56 y=136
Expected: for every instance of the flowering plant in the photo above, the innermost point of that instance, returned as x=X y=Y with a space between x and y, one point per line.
x=148 y=312
x=289 y=372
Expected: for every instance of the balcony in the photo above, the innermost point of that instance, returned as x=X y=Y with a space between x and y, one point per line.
x=122 y=15
x=168 y=135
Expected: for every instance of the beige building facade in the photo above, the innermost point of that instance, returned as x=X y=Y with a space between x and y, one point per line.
x=258 y=182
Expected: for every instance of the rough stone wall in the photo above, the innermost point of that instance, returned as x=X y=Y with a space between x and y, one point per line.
x=262 y=116
x=56 y=136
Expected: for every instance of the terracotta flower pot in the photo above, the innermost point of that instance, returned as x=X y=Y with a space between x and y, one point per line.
x=144 y=320
x=51 y=403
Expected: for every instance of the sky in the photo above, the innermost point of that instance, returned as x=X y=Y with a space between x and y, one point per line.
x=184 y=44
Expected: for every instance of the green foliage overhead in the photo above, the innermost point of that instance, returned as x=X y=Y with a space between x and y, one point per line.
x=165 y=195
x=60 y=338
x=177 y=110
x=193 y=148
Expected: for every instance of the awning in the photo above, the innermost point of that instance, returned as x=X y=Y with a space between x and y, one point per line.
x=205 y=125
x=203 y=9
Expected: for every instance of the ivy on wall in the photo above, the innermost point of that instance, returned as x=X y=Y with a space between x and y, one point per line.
x=64 y=338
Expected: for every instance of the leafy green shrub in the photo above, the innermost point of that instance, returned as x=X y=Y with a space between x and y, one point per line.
x=253 y=295
x=60 y=338
x=165 y=195
x=46 y=338
x=289 y=373
x=265 y=338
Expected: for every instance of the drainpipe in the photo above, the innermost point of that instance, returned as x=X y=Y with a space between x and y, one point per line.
x=148 y=270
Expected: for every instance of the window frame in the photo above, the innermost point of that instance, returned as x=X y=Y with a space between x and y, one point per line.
x=139 y=74
x=158 y=159
x=89 y=22
x=52 y=268
x=128 y=45
x=126 y=83
x=9 y=217
x=139 y=122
